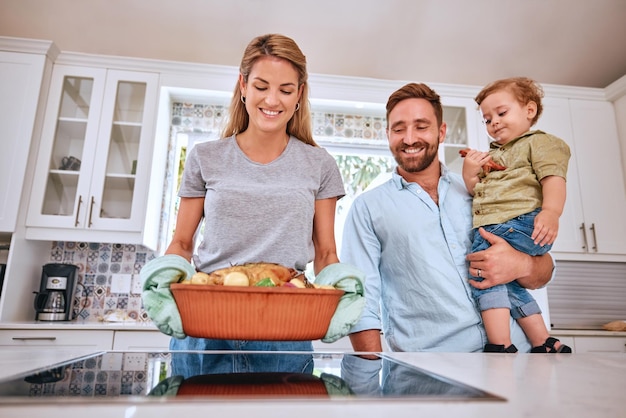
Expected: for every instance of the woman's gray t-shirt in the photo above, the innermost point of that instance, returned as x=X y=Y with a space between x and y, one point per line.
x=258 y=212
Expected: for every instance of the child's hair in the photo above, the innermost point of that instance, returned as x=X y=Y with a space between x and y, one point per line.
x=523 y=88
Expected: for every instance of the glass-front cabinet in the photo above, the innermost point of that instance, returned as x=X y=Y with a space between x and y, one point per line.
x=94 y=161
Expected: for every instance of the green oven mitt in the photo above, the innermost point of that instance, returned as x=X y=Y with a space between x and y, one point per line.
x=158 y=301
x=349 y=279
x=167 y=387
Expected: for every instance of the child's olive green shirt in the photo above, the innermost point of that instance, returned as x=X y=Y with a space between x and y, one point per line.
x=503 y=195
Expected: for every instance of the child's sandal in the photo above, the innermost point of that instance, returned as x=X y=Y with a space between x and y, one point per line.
x=548 y=347
x=498 y=348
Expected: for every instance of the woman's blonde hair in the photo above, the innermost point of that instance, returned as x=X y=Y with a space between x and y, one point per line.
x=280 y=46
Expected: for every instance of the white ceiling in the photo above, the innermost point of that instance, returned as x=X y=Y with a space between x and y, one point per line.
x=568 y=42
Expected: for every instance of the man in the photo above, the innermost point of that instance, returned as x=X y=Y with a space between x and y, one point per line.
x=411 y=237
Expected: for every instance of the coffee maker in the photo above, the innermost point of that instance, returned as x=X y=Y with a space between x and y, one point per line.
x=54 y=301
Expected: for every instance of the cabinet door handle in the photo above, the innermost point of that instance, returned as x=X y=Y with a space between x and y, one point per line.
x=80 y=202
x=34 y=338
x=582 y=228
x=595 y=241
x=93 y=201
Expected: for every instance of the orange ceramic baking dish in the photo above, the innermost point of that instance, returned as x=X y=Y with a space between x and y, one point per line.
x=255 y=313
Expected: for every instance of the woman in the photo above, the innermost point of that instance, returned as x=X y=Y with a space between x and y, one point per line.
x=266 y=191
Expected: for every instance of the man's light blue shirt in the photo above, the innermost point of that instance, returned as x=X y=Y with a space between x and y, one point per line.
x=413 y=254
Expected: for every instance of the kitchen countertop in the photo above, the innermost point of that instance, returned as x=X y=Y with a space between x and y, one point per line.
x=149 y=326
x=573 y=385
x=587 y=333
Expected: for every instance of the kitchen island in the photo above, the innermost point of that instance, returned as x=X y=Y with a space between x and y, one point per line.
x=572 y=385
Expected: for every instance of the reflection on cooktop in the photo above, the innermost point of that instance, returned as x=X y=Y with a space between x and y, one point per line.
x=175 y=376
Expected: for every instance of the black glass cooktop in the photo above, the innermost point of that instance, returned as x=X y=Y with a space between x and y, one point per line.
x=219 y=376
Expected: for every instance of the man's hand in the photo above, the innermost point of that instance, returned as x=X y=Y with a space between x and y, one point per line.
x=498 y=264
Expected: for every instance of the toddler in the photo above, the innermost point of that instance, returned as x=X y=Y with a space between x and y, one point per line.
x=521 y=201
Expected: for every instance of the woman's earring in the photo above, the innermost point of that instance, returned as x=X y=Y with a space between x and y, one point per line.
x=297 y=106
x=243 y=99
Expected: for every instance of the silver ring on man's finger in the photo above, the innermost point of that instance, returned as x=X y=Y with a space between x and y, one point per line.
x=479 y=273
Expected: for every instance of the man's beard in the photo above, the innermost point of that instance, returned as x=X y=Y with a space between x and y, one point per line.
x=415 y=164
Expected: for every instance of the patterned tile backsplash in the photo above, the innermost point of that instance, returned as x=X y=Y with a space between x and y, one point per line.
x=105 y=377
x=97 y=263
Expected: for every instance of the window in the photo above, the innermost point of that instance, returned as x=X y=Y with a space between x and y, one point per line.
x=354 y=135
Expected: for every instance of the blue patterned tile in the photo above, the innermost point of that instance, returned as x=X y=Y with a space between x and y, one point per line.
x=104 y=256
x=122 y=303
x=117 y=256
x=100 y=390
x=89 y=377
x=127 y=377
x=102 y=376
x=92 y=256
x=139 y=388
x=89 y=279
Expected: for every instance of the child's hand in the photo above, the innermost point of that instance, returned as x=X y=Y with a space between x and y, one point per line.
x=488 y=164
x=474 y=160
x=546 y=227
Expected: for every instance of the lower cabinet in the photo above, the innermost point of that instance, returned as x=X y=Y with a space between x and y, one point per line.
x=57 y=339
x=593 y=343
x=82 y=339
x=150 y=340
x=342 y=344
x=141 y=341
x=600 y=344
x=154 y=340
x=568 y=341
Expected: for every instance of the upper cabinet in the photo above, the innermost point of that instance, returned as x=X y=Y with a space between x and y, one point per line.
x=22 y=75
x=94 y=164
x=592 y=226
x=464 y=130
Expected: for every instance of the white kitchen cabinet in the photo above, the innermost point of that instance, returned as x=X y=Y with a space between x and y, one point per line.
x=600 y=175
x=556 y=120
x=21 y=77
x=54 y=338
x=592 y=341
x=464 y=130
x=342 y=345
x=95 y=158
x=600 y=344
x=141 y=341
x=592 y=226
